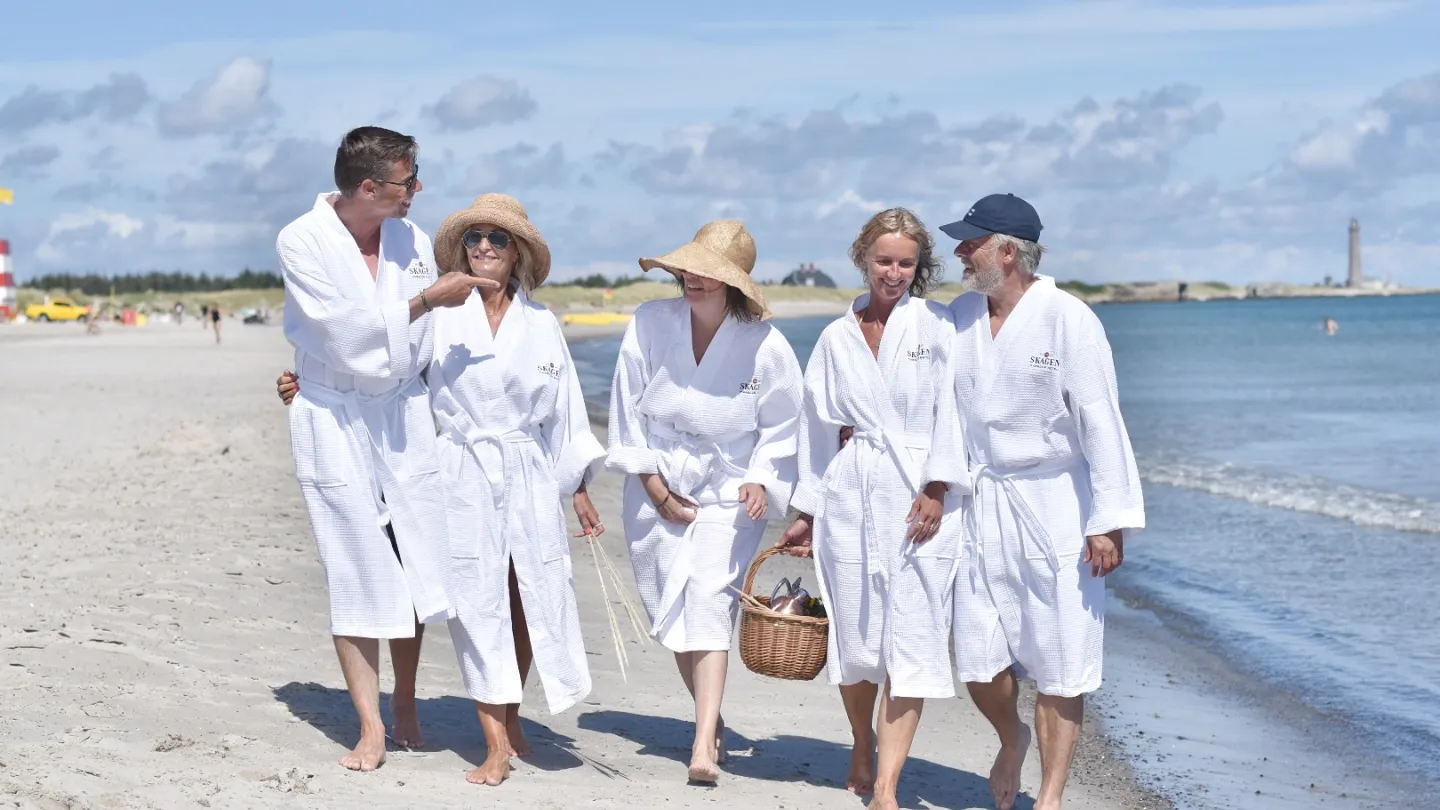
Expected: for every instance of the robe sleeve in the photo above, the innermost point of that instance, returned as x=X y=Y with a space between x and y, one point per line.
x=577 y=453
x=629 y=450
x=772 y=462
x=1117 y=501
x=947 y=461
x=365 y=341
x=819 y=435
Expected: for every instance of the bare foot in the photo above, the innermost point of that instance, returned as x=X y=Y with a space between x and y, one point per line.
x=702 y=765
x=861 y=779
x=493 y=771
x=518 y=744
x=368 y=755
x=1005 y=774
x=407 y=723
x=883 y=803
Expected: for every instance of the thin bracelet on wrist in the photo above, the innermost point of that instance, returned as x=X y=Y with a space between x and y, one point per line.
x=424 y=302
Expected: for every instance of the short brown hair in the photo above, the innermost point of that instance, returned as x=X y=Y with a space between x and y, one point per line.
x=903 y=222
x=367 y=153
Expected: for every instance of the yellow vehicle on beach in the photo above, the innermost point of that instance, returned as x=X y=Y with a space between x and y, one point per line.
x=59 y=309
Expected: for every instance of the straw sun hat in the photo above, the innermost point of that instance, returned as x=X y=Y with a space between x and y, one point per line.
x=502 y=211
x=722 y=251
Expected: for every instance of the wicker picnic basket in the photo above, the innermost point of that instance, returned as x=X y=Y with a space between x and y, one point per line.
x=777 y=644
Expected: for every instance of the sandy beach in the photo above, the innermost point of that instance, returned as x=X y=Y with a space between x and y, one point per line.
x=163 y=639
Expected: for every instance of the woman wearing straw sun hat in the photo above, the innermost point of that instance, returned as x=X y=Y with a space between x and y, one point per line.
x=515 y=439
x=703 y=417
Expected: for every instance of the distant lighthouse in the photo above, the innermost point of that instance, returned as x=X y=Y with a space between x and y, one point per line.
x=1357 y=274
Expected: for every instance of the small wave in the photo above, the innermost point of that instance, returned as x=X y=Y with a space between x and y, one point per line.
x=1298 y=493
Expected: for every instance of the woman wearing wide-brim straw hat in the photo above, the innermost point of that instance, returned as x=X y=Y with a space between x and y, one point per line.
x=703 y=417
x=515 y=439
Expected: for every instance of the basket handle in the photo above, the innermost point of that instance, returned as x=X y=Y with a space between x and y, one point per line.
x=755 y=567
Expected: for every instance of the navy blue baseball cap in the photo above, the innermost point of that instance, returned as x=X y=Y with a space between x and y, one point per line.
x=997 y=213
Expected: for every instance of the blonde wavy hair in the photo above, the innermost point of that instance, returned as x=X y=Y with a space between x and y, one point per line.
x=902 y=222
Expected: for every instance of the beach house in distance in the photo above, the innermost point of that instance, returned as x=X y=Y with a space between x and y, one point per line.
x=807 y=276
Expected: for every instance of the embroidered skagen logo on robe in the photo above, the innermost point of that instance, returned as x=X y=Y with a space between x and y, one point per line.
x=921 y=352
x=1045 y=361
x=752 y=387
x=550 y=370
x=418 y=268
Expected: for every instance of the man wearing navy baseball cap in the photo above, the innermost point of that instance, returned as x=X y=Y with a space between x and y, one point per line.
x=1036 y=417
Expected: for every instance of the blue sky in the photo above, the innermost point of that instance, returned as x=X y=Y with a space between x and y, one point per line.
x=1192 y=140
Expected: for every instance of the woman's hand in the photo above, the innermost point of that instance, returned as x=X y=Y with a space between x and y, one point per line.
x=672 y=507
x=796 y=539
x=924 y=518
x=755 y=500
x=589 y=517
x=287 y=386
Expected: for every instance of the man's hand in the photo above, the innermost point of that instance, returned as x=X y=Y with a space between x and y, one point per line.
x=925 y=512
x=287 y=386
x=451 y=289
x=1105 y=552
x=796 y=539
x=755 y=500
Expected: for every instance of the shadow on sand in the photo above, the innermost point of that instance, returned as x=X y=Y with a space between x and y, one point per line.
x=449 y=724
x=788 y=758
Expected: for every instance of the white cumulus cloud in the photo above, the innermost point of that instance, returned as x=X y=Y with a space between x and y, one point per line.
x=235 y=96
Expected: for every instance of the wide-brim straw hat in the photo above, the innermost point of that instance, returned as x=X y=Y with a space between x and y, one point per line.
x=502 y=211
x=723 y=251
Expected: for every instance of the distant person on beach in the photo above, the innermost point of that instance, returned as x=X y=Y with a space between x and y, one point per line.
x=1330 y=326
x=179 y=312
x=514 y=437
x=204 y=315
x=359 y=282
x=215 y=321
x=703 y=416
x=884 y=558
x=1055 y=490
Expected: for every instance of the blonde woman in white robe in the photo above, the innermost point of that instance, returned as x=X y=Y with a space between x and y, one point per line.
x=703 y=417
x=515 y=439
x=884 y=535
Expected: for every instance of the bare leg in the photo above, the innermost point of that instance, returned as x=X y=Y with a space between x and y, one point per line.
x=360 y=662
x=899 y=717
x=405 y=659
x=859 y=700
x=997 y=701
x=1057 y=720
x=496 y=768
x=524 y=655
x=709 y=679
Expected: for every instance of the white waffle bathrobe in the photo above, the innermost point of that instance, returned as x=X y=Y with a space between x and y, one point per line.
x=360 y=428
x=889 y=600
x=707 y=428
x=1051 y=464
x=515 y=445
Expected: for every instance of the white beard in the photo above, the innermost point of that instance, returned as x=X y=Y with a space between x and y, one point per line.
x=986 y=280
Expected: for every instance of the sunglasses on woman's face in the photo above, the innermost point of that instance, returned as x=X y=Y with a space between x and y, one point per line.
x=498 y=239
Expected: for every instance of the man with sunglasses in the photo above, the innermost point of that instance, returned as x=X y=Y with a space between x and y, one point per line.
x=359 y=281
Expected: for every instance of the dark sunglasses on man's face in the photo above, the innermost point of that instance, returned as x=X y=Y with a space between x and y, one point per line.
x=498 y=239
x=409 y=182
